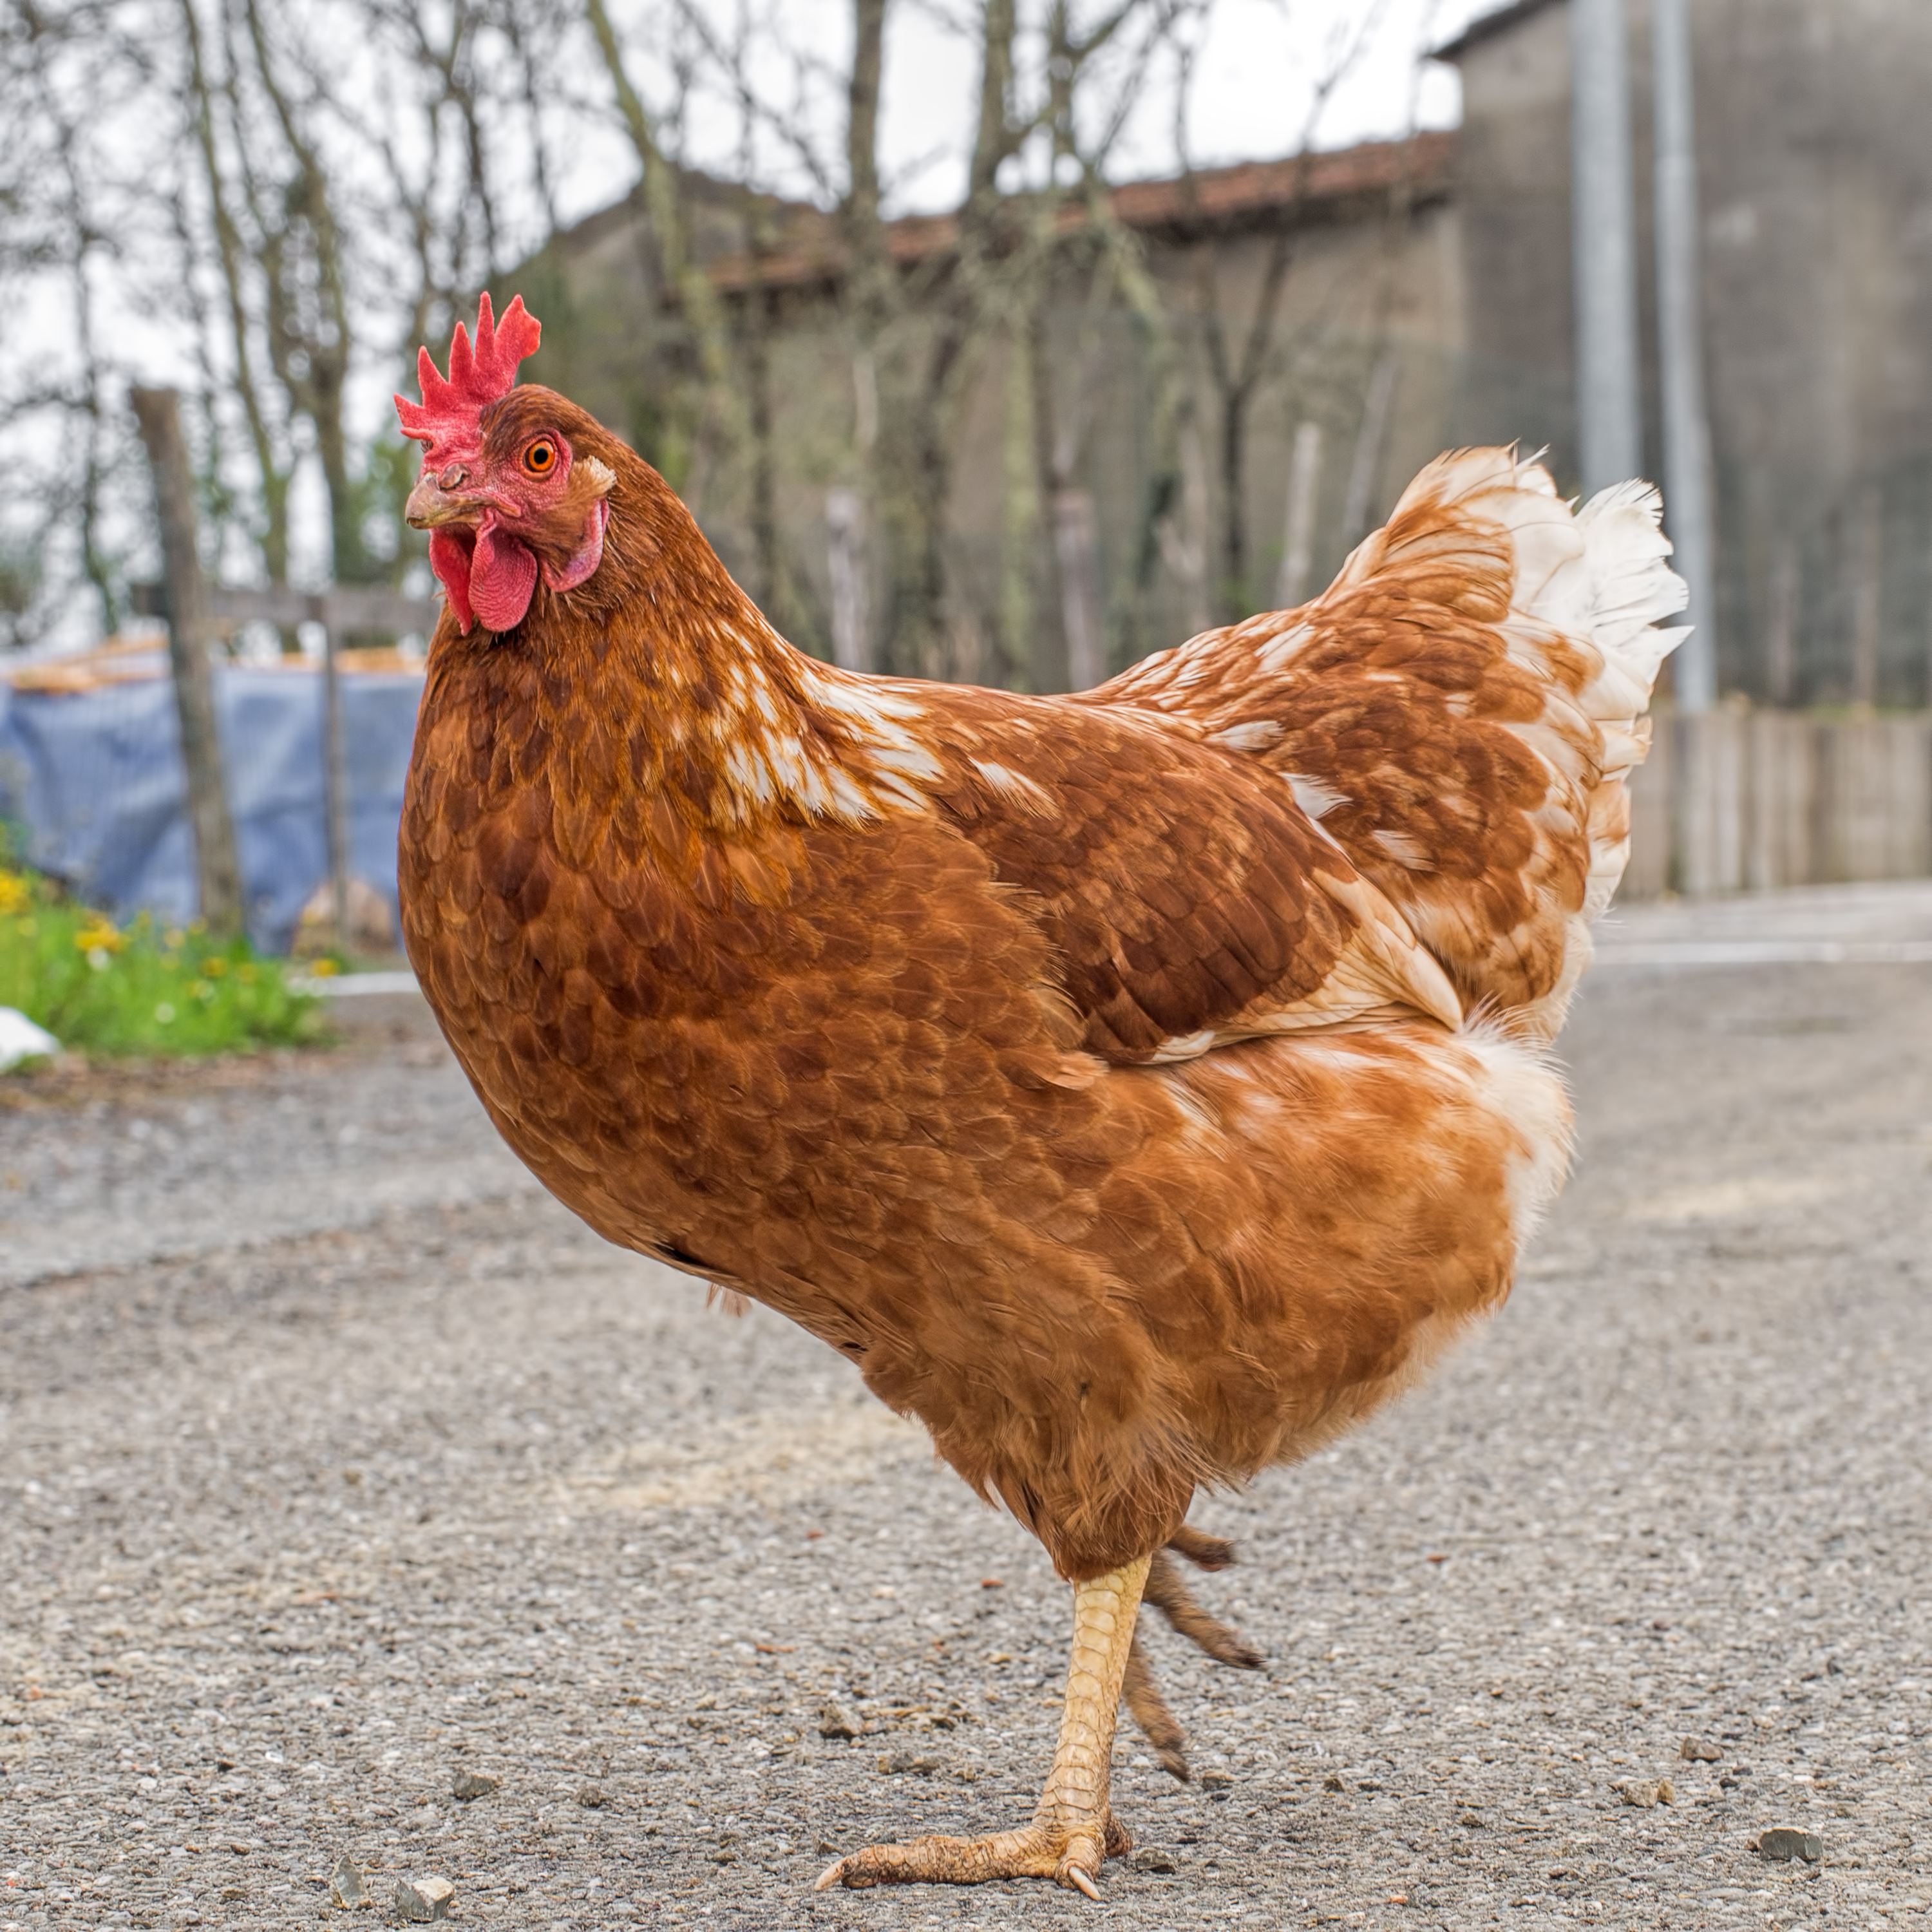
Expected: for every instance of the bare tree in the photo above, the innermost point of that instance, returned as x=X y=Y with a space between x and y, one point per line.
x=62 y=66
x=1241 y=353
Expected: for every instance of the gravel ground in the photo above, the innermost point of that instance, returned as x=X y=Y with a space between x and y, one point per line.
x=335 y=1462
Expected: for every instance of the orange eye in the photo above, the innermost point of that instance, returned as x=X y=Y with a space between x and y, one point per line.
x=540 y=459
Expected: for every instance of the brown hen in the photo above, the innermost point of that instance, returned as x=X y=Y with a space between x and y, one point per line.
x=1138 y=1087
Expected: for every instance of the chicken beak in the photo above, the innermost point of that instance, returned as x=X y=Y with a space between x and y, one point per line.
x=430 y=504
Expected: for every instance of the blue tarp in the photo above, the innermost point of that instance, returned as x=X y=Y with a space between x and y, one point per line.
x=95 y=777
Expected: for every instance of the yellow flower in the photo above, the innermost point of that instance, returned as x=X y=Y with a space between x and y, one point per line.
x=214 y=968
x=325 y=969
x=14 y=897
x=99 y=941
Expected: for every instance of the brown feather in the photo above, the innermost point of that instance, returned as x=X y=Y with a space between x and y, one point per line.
x=1046 y=1059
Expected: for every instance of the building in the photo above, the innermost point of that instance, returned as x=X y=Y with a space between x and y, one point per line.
x=1366 y=308
x=1816 y=184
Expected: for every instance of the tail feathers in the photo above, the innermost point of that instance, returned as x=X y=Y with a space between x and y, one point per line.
x=1460 y=709
x=1590 y=592
x=1612 y=592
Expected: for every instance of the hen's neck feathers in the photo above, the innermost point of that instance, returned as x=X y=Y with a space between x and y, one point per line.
x=661 y=667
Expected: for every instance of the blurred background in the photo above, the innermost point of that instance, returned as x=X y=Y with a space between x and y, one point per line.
x=1004 y=340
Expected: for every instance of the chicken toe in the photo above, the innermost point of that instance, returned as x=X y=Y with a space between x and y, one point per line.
x=1149 y=1710
x=1171 y=1596
x=1073 y=1829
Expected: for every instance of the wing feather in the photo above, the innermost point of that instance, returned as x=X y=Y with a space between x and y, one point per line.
x=1190 y=898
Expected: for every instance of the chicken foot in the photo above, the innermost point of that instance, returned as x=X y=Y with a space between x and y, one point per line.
x=1168 y=1593
x=1073 y=1829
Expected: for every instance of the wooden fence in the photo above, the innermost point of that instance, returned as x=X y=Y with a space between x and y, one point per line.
x=1746 y=801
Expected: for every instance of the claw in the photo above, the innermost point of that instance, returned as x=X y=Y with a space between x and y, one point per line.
x=1073 y=1829
x=1037 y=1850
x=1203 y=1551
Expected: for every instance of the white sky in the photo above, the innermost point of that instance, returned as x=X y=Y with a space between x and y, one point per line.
x=1254 y=69
x=1251 y=92
x=1250 y=98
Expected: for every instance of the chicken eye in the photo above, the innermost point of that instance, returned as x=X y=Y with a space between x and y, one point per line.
x=540 y=459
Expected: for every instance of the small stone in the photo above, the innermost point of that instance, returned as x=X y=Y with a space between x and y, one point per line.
x=1700 y=1751
x=1646 y=1793
x=899 y=1761
x=1470 y=1821
x=345 y=1886
x=1333 y=1783
x=421 y=1899
x=22 y=1040
x=836 y=1721
x=1154 y=1858
x=827 y=1850
x=593 y=1797
x=1783 y=1843
x=1218 y=1785
x=468 y=1784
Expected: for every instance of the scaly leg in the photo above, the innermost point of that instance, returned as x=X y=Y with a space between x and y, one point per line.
x=1072 y=1828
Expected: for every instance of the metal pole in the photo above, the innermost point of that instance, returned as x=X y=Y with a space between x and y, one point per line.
x=217 y=873
x=1689 y=513
x=1610 y=401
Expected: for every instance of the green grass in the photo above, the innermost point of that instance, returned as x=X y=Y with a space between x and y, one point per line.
x=143 y=988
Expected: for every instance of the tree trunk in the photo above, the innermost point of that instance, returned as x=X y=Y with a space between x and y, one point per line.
x=217 y=873
x=1232 y=593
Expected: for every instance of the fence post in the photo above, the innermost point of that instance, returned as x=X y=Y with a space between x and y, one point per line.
x=845 y=525
x=217 y=872
x=1297 y=553
x=1867 y=547
x=335 y=780
x=1073 y=538
x=1372 y=432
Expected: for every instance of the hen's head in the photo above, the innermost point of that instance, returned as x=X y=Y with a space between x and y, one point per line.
x=509 y=491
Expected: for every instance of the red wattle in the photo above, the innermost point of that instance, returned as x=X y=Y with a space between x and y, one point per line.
x=503 y=577
x=449 y=558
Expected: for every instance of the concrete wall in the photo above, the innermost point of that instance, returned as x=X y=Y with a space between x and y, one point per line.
x=1816 y=186
x=1360 y=285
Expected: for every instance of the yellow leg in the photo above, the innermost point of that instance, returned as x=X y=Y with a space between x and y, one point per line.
x=1073 y=1829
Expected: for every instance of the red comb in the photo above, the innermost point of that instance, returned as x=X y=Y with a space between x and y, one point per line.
x=476 y=375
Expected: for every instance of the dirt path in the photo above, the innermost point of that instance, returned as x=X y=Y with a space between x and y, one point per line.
x=334 y=1462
